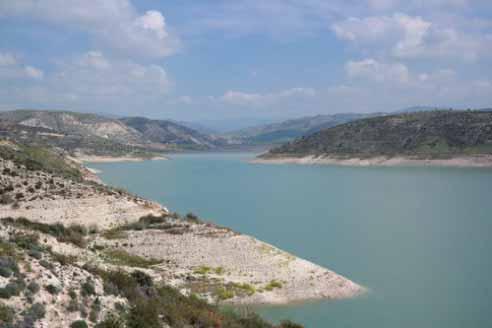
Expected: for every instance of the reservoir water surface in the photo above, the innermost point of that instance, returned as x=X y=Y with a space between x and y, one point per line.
x=419 y=238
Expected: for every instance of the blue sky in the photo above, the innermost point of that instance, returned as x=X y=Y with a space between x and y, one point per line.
x=244 y=59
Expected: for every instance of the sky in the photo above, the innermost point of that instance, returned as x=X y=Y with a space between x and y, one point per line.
x=244 y=60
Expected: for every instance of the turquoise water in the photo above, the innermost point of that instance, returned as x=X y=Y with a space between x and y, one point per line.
x=418 y=238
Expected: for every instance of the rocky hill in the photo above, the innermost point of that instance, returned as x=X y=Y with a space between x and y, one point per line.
x=168 y=132
x=288 y=130
x=422 y=135
x=93 y=134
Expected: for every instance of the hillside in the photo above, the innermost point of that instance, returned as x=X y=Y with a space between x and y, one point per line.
x=422 y=135
x=91 y=134
x=168 y=132
x=288 y=130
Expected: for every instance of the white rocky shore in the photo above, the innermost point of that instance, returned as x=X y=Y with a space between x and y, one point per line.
x=461 y=161
x=193 y=256
x=82 y=158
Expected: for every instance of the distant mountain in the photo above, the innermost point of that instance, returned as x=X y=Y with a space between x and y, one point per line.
x=96 y=134
x=74 y=123
x=199 y=127
x=423 y=134
x=291 y=129
x=169 y=132
x=416 y=109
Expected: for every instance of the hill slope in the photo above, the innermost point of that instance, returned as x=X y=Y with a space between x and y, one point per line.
x=99 y=135
x=423 y=135
x=291 y=129
x=168 y=132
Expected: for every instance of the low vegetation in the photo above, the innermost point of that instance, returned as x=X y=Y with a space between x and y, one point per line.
x=429 y=135
x=121 y=257
x=74 y=234
x=152 y=305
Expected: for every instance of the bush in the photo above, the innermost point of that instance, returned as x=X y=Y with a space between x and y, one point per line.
x=144 y=314
x=88 y=288
x=46 y=264
x=6 y=199
x=14 y=288
x=6 y=315
x=289 y=324
x=34 y=313
x=79 y=324
x=95 y=310
x=111 y=321
x=273 y=284
x=192 y=218
x=52 y=289
x=5 y=272
x=121 y=257
x=142 y=279
x=74 y=234
x=33 y=287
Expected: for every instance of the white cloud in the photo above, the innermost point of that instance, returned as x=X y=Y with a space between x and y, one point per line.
x=154 y=22
x=87 y=81
x=93 y=75
x=258 y=99
x=7 y=59
x=370 y=69
x=34 y=72
x=94 y=59
x=112 y=23
x=11 y=69
x=407 y=36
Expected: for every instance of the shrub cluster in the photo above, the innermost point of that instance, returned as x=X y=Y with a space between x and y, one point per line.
x=151 y=306
x=74 y=234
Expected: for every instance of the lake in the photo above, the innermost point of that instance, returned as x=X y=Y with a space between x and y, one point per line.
x=419 y=238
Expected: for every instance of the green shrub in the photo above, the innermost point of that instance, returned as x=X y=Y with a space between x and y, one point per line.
x=121 y=257
x=223 y=293
x=273 y=284
x=7 y=315
x=46 y=264
x=111 y=321
x=63 y=259
x=52 y=289
x=95 y=310
x=33 y=287
x=74 y=234
x=116 y=233
x=5 y=272
x=142 y=279
x=192 y=218
x=13 y=288
x=144 y=314
x=290 y=324
x=79 y=324
x=202 y=270
x=34 y=313
x=88 y=288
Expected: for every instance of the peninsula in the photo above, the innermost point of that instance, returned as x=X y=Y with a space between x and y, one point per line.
x=444 y=138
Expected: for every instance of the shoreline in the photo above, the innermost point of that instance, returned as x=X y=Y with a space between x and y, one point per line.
x=484 y=161
x=116 y=159
x=193 y=256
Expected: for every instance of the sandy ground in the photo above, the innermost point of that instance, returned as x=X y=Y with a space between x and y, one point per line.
x=471 y=161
